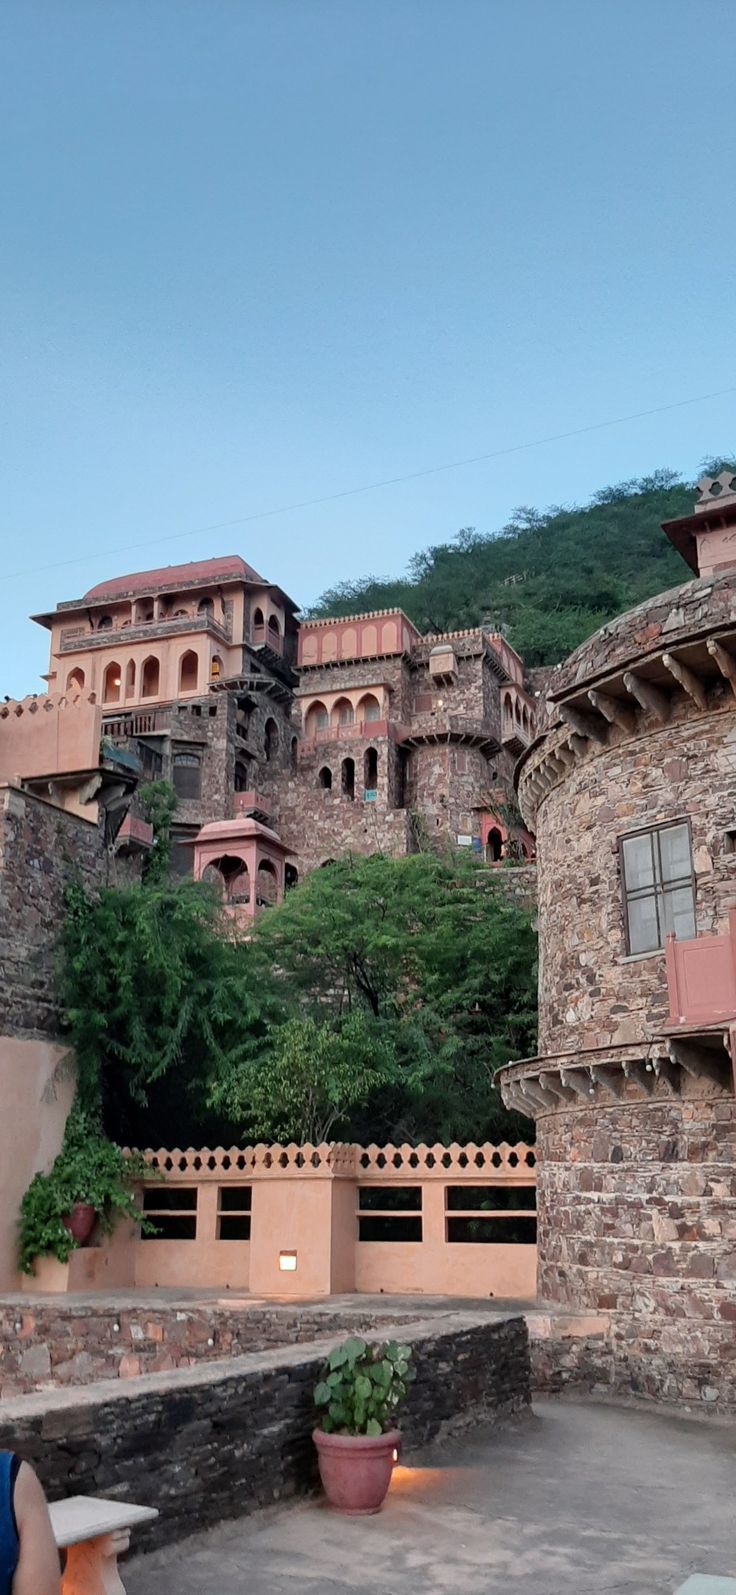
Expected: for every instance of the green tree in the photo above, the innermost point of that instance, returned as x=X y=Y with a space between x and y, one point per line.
x=158 y=805
x=311 y=1078
x=156 y=997
x=436 y=968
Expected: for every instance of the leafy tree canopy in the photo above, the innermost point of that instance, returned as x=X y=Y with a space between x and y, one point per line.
x=374 y=1003
x=420 y=975
x=549 y=579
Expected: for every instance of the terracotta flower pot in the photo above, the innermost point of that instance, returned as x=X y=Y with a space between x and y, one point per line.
x=80 y=1222
x=356 y=1469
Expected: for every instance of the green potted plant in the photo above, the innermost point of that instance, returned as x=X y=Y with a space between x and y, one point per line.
x=91 y=1181
x=357 y=1397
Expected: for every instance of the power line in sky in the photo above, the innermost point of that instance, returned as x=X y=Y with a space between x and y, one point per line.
x=370 y=487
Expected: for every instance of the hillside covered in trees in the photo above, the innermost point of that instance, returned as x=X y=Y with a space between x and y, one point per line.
x=549 y=579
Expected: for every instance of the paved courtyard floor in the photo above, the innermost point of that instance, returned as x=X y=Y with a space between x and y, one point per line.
x=579 y=1499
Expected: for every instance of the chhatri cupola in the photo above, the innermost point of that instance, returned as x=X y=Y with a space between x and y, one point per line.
x=707 y=538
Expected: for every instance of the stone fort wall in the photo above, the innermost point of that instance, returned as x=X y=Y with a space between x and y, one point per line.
x=637 y=1218
x=591 y=993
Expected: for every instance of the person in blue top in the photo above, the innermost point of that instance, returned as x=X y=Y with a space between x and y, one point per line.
x=29 y=1560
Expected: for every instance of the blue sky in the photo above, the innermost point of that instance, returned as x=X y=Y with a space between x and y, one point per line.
x=260 y=251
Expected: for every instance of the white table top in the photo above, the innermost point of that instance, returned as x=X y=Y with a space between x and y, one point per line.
x=707 y=1584
x=84 y=1517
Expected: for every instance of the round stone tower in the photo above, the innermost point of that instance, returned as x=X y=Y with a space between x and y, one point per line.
x=632 y=792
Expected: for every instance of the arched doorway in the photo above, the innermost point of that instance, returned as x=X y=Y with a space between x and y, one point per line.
x=266 y=884
x=188 y=671
x=111 y=683
x=370 y=773
x=229 y=876
x=494 y=846
x=348 y=778
x=270 y=740
x=150 y=677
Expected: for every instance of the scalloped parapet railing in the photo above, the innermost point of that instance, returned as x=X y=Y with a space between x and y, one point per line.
x=348 y=1161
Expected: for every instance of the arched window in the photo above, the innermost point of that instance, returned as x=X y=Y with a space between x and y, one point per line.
x=316 y=719
x=324 y=779
x=274 y=629
x=494 y=846
x=348 y=778
x=370 y=773
x=242 y=779
x=259 y=626
x=229 y=876
x=291 y=877
x=188 y=671
x=75 y=681
x=187 y=770
x=369 y=708
x=238 y=885
x=294 y=755
x=111 y=683
x=215 y=667
x=150 y=677
x=104 y=623
x=266 y=884
x=213 y=876
x=270 y=740
x=343 y=713
x=205 y=607
x=130 y=679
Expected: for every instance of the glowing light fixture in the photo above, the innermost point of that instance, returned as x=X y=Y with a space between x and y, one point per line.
x=287 y=1262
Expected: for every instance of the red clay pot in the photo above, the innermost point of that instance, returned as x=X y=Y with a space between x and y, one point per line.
x=356 y=1469
x=80 y=1222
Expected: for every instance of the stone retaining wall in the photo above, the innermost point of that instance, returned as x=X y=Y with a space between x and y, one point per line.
x=43 y=1345
x=214 y=1442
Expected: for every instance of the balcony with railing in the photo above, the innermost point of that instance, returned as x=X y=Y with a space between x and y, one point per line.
x=137 y=723
x=345 y=731
x=517 y=720
x=478 y=731
x=701 y=978
x=701 y=985
x=74 y=638
x=268 y=637
x=252 y=805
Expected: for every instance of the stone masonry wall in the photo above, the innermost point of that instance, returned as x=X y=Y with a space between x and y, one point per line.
x=659 y=622
x=44 y=1345
x=321 y=825
x=41 y=849
x=343 y=676
x=636 y=1212
x=214 y=1442
x=591 y=993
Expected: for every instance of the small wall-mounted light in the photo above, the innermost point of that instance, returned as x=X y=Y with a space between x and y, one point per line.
x=287 y=1262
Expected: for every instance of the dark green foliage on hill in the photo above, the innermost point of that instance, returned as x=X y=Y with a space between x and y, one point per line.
x=548 y=579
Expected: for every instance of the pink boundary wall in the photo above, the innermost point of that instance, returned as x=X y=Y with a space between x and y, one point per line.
x=305 y=1202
